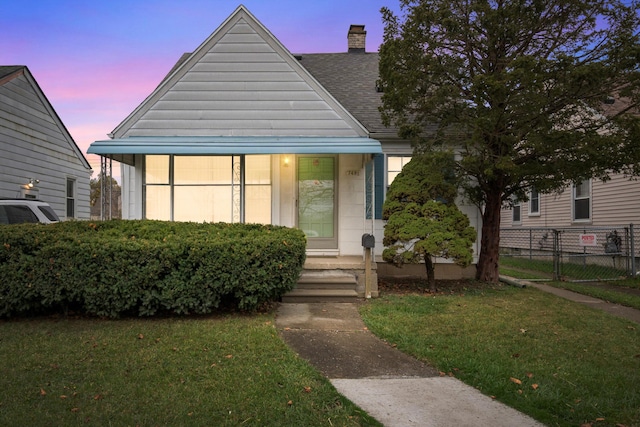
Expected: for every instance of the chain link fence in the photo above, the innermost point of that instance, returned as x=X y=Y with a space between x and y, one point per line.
x=571 y=254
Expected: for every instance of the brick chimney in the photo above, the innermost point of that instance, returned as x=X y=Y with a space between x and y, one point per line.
x=357 y=37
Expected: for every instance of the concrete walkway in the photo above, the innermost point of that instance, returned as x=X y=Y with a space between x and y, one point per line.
x=391 y=386
x=614 y=309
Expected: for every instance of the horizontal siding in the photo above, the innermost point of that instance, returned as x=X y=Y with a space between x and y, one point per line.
x=32 y=145
x=257 y=107
x=240 y=95
x=241 y=86
x=242 y=132
x=228 y=114
x=615 y=202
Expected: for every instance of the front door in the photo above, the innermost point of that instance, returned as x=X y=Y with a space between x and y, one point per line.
x=317 y=201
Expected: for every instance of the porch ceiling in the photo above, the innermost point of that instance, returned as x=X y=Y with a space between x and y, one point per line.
x=124 y=149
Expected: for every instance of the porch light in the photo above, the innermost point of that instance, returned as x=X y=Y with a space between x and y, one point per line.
x=286 y=161
x=32 y=182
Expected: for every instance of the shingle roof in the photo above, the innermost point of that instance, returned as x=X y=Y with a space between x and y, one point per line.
x=5 y=70
x=351 y=78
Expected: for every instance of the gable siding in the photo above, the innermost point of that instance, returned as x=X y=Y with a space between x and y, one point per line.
x=241 y=86
x=33 y=146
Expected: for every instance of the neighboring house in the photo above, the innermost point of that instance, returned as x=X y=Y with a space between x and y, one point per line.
x=38 y=157
x=241 y=130
x=592 y=202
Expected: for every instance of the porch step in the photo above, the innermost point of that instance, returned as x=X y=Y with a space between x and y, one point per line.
x=323 y=286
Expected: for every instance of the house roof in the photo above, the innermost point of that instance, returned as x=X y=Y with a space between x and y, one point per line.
x=10 y=72
x=6 y=70
x=351 y=77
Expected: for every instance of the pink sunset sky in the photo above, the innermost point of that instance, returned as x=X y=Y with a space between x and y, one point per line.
x=97 y=60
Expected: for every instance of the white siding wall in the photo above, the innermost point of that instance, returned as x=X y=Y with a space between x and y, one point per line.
x=32 y=145
x=351 y=204
x=242 y=84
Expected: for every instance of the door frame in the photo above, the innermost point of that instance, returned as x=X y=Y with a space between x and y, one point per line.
x=320 y=242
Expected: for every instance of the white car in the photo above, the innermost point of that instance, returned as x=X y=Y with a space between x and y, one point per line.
x=17 y=211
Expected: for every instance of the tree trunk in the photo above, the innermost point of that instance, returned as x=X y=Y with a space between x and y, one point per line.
x=431 y=276
x=487 y=268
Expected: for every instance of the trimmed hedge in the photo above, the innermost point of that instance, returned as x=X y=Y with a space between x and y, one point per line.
x=115 y=268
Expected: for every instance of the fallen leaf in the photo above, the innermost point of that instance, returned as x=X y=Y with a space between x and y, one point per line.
x=229 y=356
x=42 y=392
x=515 y=380
x=519 y=391
x=97 y=397
x=442 y=374
x=585 y=425
x=515 y=355
x=534 y=386
x=307 y=389
x=600 y=419
x=529 y=375
x=63 y=397
x=75 y=409
x=140 y=336
x=524 y=331
x=290 y=402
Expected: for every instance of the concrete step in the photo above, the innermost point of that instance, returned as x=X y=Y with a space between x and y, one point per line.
x=323 y=286
x=320 y=295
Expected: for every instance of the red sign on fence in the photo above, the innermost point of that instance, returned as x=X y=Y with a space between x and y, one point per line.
x=588 y=240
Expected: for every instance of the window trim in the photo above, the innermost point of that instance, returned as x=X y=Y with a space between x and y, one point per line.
x=517 y=207
x=574 y=198
x=531 y=198
x=238 y=170
x=73 y=198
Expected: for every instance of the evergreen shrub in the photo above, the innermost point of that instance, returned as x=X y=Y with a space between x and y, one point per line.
x=120 y=268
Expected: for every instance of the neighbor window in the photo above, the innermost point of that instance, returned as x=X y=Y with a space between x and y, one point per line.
x=71 y=198
x=208 y=188
x=582 y=201
x=534 y=202
x=516 y=210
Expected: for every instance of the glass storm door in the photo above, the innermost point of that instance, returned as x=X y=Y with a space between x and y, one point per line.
x=317 y=200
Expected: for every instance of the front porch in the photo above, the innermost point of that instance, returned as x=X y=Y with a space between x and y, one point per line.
x=334 y=279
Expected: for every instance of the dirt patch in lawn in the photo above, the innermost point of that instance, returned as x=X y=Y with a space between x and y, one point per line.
x=406 y=286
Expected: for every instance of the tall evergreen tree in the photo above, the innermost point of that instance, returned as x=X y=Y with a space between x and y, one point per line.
x=521 y=89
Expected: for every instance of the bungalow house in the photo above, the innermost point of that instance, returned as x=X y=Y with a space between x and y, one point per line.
x=38 y=157
x=241 y=130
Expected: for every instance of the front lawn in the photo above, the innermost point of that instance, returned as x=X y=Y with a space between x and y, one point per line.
x=624 y=291
x=558 y=361
x=215 y=371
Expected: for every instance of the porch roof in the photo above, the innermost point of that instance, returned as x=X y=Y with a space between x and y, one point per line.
x=124 y=149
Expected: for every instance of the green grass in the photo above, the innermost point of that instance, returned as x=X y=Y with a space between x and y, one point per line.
x=570 y=270
x=611 y=291
x=576 y=364
x=222 y=371
x=606 y=294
